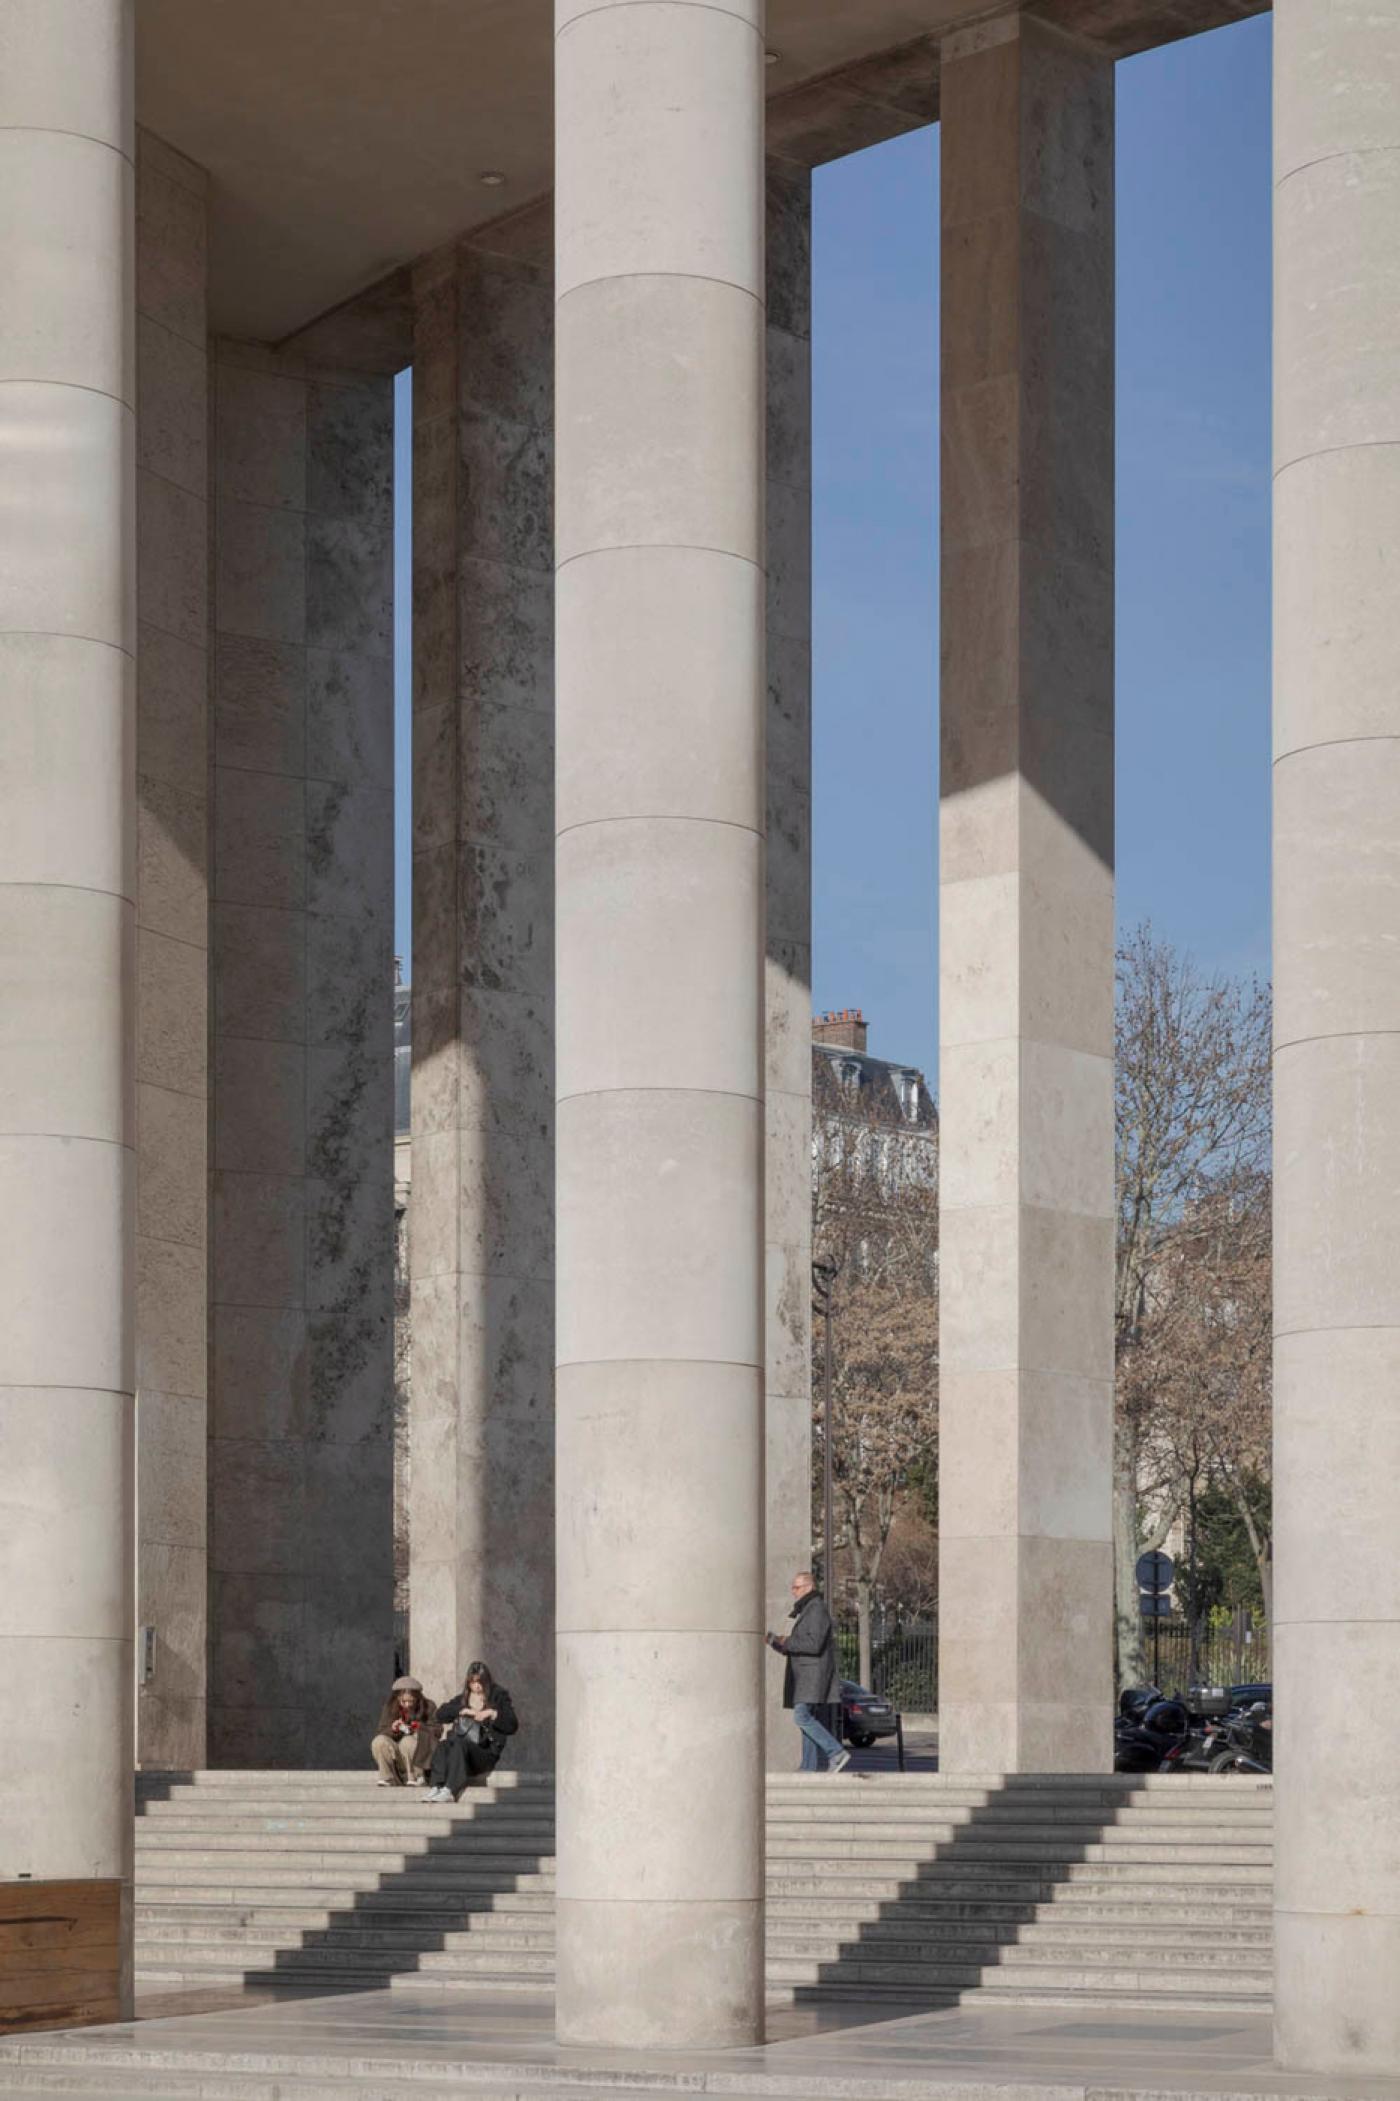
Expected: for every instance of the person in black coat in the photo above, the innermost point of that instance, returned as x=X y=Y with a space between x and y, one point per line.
x=474 y=1727
x=812 y=1679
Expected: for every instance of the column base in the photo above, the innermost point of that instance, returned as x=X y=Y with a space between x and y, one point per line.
x=1336 y=2010
x=659 y=1976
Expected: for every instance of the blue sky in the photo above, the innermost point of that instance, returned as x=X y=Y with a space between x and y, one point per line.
x=1193 y=539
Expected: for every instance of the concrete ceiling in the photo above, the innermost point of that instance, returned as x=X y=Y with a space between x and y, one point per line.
x=345 y=137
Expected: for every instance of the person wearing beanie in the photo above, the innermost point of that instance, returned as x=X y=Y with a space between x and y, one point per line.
x=407 y=1735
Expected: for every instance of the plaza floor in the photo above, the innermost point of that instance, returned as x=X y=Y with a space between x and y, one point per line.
x=369 y=2046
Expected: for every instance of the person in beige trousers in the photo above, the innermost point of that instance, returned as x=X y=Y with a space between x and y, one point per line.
x=407 y=1735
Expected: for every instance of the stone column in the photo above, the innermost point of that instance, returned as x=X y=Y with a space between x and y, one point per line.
x=172 y=949
x=481 y=1526
x=788 y=1111
x=302 y=1204
x=1337 y=1030
x=1026 y=915
x=67 y=940
x=660 y=914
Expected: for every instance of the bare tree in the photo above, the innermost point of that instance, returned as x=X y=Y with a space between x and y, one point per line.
x=876 y=1219
x=1216 y=1346
x=1192 y=1112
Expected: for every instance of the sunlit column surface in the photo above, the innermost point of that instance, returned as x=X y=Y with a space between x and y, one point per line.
x=660 y=943
x=1337 y=1028
x=67 y=885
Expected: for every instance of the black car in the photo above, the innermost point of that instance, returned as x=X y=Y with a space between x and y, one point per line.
x=863 y=1716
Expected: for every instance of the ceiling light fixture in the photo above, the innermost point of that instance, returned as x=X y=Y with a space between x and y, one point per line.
x=492 y=178
x=770 y=58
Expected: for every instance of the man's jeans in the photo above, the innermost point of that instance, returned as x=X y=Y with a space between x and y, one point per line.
x=819 y=1746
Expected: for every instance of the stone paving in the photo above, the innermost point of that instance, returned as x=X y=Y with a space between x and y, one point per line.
x=369 y=2046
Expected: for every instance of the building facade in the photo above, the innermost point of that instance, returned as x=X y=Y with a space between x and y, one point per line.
x=225 y=230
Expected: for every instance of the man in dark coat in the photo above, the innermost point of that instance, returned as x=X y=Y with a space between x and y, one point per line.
x=812 y=1679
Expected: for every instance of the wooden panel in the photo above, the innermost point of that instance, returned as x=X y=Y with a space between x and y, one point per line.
x=60 y=1954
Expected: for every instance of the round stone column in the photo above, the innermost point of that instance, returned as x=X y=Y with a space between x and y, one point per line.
x=660 y=902
x=67 y=883
x=1337 y=1061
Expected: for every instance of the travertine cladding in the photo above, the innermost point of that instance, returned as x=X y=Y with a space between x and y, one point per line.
x=788 y=1022
x=172 y=947
x=302 y=1214
x=482 y=1233
x=660 y=554
x=1337 y=1026
x=67 y=943
x=1026 y=902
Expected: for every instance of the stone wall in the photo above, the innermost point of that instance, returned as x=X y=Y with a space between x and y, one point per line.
x=302 y=1212
x=788 y=991
x=482 y=1500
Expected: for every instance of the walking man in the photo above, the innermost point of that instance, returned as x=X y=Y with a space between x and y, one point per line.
x=811 y=1679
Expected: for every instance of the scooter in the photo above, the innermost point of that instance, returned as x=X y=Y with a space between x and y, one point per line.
x=1154 y=1739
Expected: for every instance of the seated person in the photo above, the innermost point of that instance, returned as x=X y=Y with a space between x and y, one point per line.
x=475 y=1726
x=407 y=1735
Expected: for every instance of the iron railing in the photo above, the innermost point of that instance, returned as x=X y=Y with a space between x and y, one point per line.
x=903 y=1660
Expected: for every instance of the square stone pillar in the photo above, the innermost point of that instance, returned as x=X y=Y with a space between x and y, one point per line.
x=1026 y=913
x=302 y=1217
x=788 y=1093
x=172 y=949
x=481 y=1500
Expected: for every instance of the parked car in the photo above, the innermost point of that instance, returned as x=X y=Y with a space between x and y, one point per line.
x=863 y=1716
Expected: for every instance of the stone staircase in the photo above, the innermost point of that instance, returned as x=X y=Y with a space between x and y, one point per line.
x=914 y=1889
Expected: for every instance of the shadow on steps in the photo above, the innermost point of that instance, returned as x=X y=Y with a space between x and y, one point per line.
x=415 y=1899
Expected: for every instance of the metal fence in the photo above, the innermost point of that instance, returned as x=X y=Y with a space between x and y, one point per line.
x=1225 y=1655
x=903 y=1661
x=904 y=1657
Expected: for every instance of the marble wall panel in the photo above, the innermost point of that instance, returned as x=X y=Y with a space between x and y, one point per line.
x=481 y=1227
x=302 y=1174
x=788 y=975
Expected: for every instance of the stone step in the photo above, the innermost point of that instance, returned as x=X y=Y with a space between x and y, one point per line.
x=314 y=1831
x=325 y=1780
x=449 y=1905
x=1038 y=1932
x=1162 y=1956
x=1171 y=1825
x=235 y=1977
x=938 y=1875
x=195 y=1956
x=1098 y=1999
x=852 y=1831
x=44 y=2084
x=909 y=1856
x=1123 y=1914
x=1082 y=1979
x=451 y=1886
x=340 y=1860
x=405 y=1803
x=387 y=1930
x=440 y=1835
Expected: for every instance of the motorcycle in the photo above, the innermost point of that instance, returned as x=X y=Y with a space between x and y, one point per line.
x=1245 y=1741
